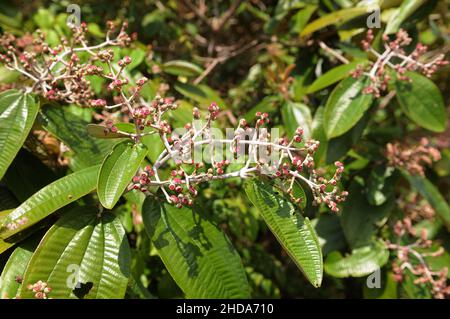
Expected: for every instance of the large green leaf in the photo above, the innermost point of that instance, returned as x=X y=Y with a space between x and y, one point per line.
x=71 y=129
x=346 y=106
x=432 y=195
x=12 y=274
x=17 y=113
x=84 y=255
x=294 y=232
x=332 y=76
x=49 y=199
x=295 y=115
x=403 y=12
x=422 y=102
x=117 y=170
x=198 y=255
x=361 y=262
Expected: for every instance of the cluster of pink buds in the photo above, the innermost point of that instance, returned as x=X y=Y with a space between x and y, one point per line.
x=394 y=50
x=213 y=111
x=59 y=73
x=41 y=289
x=142 y=179
x=110 y=128
x=415 y=207
x=16 y=224
x=291 y=164
x=413 y=158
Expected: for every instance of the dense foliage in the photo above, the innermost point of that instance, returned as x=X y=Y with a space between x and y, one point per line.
x=224 y=149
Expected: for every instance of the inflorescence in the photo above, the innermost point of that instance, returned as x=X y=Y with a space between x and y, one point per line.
x=395 y=60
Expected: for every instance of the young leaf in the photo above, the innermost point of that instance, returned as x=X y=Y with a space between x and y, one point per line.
x=346 y=106
x=361 y=262
x=17 y=114
x=422 y=102
x=49 y=199
x=197 y=254
x=81 y=256
x=294 y=232
x=117 y=170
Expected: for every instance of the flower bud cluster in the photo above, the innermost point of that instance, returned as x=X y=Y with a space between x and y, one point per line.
x=413 y=158
x=59 y=73
x=395 y=60
x=295 y=159
x=41 y=289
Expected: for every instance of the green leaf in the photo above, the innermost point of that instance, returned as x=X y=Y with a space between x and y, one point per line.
x=49 y=199
x=71 y=129
x=360 y=220
x=198 y=255
x=380 y=184
x=300 y=19
x=346 y=106
x=361 y=262
x=81 y=248
x=15 y=267
x=336 y=17
x=296 y=115
x=117 y=170
x=404 y=11
x=432 y=195
x=98 y=131
x=17 y=113
x=201 y=93
x=294 y=232
x=184 y=68
x=332 y=76
x=422 y=102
